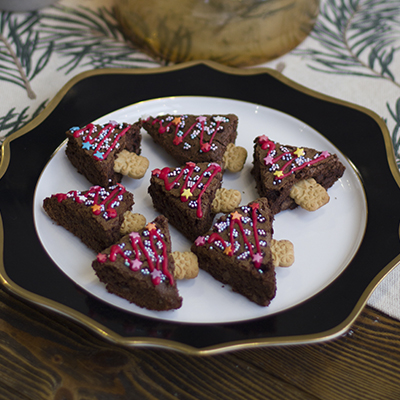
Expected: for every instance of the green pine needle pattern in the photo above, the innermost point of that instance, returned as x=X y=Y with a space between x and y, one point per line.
x=18 y=43
x=88 y=37
x=13 y=120
x=359 y=38
x=82 y=36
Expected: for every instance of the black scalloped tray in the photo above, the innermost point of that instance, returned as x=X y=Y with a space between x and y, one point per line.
x=28 y=272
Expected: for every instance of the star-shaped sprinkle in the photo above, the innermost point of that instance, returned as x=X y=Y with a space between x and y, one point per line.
x=278 y=174
x=325 y=154
x=156 y=276
x=228 y=251
x=96 y=209
x=134 y=236
x=236 y=215
x=254 y=206
x=263 y=139
x=98 y=155
x=205 y=147
x=177 y=140
x=101 y=258
x=151 y=227
x=86 y=145
x=299 y=152
x=135 y=265
x=186 y=193
x=200 y=241
x=156 y=273
x=257 y=258
x=201 y=119
x=268 y=160
x=176 y=120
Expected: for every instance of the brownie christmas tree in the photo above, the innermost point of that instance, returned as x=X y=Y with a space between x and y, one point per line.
x=278 y=168
x=93 y=149
x=94 y=216
x=236 y=251
x=185 y=195
x=201 y=138
x=140 y=268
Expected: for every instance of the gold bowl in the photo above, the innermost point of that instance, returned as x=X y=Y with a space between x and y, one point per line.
x=232 y=32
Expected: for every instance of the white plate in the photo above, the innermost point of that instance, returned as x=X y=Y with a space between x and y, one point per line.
x=325 y=241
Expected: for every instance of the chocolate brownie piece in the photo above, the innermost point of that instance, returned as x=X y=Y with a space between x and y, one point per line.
x=185 y=195
x=237 y=252
x=94 y=216
x=277 y=167
x=140 y=268
x=93 y=149
x=193 y=138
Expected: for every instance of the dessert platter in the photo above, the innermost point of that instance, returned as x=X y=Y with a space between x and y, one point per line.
x=338 y=254
x=204 y=300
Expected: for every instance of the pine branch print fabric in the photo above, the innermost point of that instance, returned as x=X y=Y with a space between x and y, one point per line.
x=40 y=51
x=353 y=54
x=358 y=38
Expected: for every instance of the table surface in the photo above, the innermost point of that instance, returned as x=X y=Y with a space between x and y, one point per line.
x=46 y=356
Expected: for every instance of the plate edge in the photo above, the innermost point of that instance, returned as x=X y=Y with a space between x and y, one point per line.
x=163 y=343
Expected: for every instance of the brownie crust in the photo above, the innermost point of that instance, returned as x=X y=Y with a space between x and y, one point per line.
x=326 y=172
x=136 y=284
x=96 y=231
x=181 y=136
x=192 y=216
x=84 y=157
x=254 y=280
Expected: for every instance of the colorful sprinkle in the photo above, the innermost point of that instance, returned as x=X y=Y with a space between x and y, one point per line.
x=234 y=223
x=98 y=198
x=298 y=155
x=200 y=124
x=192 y=179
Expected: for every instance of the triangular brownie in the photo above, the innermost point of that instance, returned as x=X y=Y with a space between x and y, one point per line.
x=197 y=138
x=140 y=268
x=277 y=168
x=237 y=252
x=94 y=216
x=185 y=195
x=93 y=149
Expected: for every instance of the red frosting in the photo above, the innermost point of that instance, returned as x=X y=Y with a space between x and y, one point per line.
x=185 y=191
x=229 y=248
x=266 y=143
x=157 y=263
x=102 y=200
x=204 y=146
x=104 y=134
